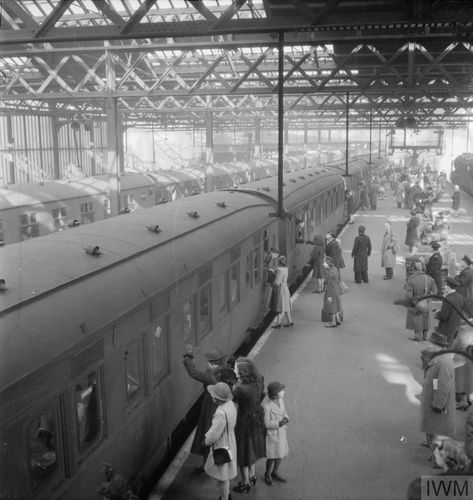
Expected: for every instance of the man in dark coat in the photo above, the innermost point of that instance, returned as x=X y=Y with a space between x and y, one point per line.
x=469 y=436
x=217 y=371
x=465 y=278
x=333 y=250
x=360 y=253
x=412 y=236
x=434 y=267
x=449 y=319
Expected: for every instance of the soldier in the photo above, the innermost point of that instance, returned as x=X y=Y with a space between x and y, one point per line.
x=434 y=267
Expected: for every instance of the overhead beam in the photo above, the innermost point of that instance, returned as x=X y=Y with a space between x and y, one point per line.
x=137 y=16
x=109 y=11
x=53 y=18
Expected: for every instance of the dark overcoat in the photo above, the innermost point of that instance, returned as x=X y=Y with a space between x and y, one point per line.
x=434 y=268
x=333 y=250
x=465 y=278
x=317 y=260
x=360 y=253
x=350 y=204
x=469 y=436
x=449 y=319
x=418 y=285
x=439 y=391
x=333 y=292
x=412 y=238
x=249 y=430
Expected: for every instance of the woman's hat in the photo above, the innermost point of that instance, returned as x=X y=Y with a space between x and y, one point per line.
x=215 y=356
x=467 y=259
x=439 y=339
x=220 y=391
x=435 y=245
x=329 y=260
x=274 y=388
x=362 y=229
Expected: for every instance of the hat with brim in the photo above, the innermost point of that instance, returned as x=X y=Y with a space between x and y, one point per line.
x=452 y=282
x=274 y=388
x=215 y=356
x=439 y=339
x=220 y=391
x=467 y=259
x=435 y=245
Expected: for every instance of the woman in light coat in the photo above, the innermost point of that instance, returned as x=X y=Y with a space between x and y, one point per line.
x=281 y=298
x=275 y=421
x=222 y=434
x=388 y=250
x=332 y=297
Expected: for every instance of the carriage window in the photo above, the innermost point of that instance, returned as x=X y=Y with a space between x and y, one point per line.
x=265 y=241
x=44 y=448
x=223 y=292
x=89 y=411
x=159 y=350
x=107 y=211
x=256 y=264
x=87 y=213
x=235 y=284
x=187 y=313
x=248 y=270
x=59 y=219
x=205 y=320
x=128 y=201
x=134 y=381
x=29 y=227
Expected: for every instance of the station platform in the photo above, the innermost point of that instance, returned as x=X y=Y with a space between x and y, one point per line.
x=352 y=392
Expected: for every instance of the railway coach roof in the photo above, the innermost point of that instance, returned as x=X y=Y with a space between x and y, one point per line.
x=57 y=294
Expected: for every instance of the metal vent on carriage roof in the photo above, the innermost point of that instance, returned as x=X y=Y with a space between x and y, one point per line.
x=265 y=188
x=301 y=177
x=221 y=204
x=154 y=228
x=194 y=214
x=293 y=180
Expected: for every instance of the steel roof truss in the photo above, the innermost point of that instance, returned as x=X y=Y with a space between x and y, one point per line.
x=53 y=18
x=211 y=70
x=203 y=10
x=137 y=16
x=253 y=67
x=168 y=72
x=90 y=73
x=228 y=14
x=109 y=11
x=130 y=72
x=435 y=62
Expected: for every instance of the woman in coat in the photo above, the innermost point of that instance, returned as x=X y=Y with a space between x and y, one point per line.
x=388 y=250
x=332 y=298
x=438 y=394
x=317 y=261
x=463 y=372
x=360 y=253
x=412 y=233
x=418 y=285
x=350 y=206
x=248 y=393
x=465 y=280
x=275 y=421
x=222 y=434
x=281 y=298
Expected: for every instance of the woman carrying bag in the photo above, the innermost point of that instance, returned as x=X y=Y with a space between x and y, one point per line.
x=221 y=462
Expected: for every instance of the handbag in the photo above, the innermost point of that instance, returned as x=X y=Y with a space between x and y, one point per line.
x=222 y=455
x=343 y=287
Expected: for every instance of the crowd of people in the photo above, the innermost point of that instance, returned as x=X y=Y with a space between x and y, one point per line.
x=239 y=422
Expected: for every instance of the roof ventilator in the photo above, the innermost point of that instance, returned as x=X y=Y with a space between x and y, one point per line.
x=265 y=188
x=73 y=223
x=293 y=180
x=93 y=250
x=154 y=228
x=194 y=214
x=221 y=204
x=301 y=177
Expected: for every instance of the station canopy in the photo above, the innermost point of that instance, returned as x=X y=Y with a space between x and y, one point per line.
x=172 y=62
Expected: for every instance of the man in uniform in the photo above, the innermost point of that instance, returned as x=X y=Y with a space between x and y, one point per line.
x=449 y=319
x=434 y=266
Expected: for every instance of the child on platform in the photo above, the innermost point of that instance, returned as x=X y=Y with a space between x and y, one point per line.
x=275 y=421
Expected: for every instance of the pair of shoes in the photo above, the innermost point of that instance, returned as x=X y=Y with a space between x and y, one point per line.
x=277 y=326
x=462 y=406
x=331 y=326
x=268 y=480
x=338 y=323
x=277 y=477
x=242 y=488
x=289 y=324
x=253 y=481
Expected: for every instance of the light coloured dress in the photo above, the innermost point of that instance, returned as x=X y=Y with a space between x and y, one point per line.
x=222 y=433
x=281 y=298
x=276 y=438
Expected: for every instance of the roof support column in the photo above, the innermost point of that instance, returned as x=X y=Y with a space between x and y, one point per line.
x=347 y=132
x=11 y=155
x=257 y=148
x=306 y=141
x=113 y=154
x=379 y=141
x=371 y=131
x=286 y=137
x=55 y=126
x=280 y=125
x=209 y=139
